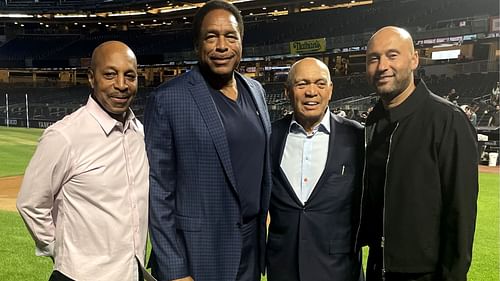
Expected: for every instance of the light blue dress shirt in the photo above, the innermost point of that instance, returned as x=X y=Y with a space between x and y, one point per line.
x=304 y=156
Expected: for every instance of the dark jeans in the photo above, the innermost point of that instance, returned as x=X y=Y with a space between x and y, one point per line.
x=249 y=265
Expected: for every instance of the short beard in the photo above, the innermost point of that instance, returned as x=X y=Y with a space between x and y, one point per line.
x=399 y=87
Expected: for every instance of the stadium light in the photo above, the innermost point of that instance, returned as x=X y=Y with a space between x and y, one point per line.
x=62 y=16
x=15 y=16
x=124 y=14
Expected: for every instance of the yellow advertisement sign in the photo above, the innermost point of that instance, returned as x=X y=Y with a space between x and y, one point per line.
x=308 y=46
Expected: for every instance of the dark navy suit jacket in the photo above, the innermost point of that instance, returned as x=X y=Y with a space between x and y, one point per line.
x=315 y=241
x=195 y=213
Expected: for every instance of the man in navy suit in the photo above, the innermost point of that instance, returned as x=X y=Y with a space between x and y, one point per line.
x=317 y=162
x=207 y=139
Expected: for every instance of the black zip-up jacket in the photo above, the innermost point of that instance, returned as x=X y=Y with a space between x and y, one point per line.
x=431 y=188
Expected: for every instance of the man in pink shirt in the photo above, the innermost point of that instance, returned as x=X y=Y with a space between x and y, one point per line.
x=84 y=196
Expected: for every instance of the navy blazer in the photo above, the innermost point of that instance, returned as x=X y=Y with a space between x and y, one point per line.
x=195 y=213
x=315 y=240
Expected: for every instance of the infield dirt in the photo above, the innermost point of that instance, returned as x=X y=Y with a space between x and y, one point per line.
x=9 y=187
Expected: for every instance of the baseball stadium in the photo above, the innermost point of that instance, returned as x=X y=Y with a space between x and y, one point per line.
x=46 y=51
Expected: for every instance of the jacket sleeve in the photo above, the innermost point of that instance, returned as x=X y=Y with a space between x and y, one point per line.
x=47 y=171
x=458 y=164
x=168 y=258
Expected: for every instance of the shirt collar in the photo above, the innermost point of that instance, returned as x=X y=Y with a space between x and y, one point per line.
x=323 y=126
x=107 y=122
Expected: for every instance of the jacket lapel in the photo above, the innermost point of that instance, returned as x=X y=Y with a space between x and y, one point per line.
x=279 y=145
x=201 y=95
x=333 y=149
x=260 y=103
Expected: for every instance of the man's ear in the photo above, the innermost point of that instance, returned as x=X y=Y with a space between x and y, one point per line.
x=90 y=77
x=331 y=92
x=414 y=60
x=196 y=46
x=287 y=93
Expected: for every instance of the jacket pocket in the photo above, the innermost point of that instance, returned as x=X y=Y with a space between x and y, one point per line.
x=274 y=242
x=339 y=246
x=187 y=223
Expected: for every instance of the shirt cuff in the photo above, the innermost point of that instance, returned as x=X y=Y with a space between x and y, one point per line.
x=45 y=251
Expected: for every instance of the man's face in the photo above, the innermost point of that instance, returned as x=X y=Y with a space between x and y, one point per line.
x=219 y=46
x=114 y=79
x=390 y=62
x=310 y=92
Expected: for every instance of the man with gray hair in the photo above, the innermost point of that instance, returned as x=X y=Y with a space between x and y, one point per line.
x=317 y=160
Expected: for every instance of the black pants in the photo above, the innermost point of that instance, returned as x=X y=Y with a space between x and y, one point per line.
x=249 y=265
x=58 y=276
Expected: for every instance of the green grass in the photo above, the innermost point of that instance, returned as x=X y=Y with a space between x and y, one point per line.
x=18 y=252
x=20 y=263
x=16 y=147
x=485 y=259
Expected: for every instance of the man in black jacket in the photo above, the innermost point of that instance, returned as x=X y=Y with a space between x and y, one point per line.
x=420 y=190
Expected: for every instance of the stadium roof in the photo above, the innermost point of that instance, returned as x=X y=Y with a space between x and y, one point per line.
x=140 y=13
x=66 y=9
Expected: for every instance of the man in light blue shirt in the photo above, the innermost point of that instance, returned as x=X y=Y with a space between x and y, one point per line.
x=317 y=160
x=305 y=156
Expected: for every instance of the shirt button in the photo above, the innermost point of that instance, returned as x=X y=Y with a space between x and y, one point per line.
x=305 y=179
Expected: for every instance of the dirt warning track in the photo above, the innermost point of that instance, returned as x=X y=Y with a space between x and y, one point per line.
x=9 y=187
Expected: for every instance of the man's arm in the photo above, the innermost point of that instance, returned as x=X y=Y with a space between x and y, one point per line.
x=168 y=255
x=459 y=176
x=47 y=171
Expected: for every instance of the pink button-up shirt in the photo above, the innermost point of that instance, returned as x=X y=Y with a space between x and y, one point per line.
x=84 y=197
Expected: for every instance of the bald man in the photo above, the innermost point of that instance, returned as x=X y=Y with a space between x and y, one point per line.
x=317 y=160
x=420 y=186
x=84 y=197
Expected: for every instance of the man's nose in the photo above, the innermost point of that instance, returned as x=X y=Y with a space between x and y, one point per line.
x=311 y=89
x=221 y=44
x=121 y=83
x=383 y=63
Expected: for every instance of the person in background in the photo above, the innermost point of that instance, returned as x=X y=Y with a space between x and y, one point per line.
x=494 y=120
x=470 y=114
x=84 y=196
x=452 y=96
x=419 y=201
x=495 y=95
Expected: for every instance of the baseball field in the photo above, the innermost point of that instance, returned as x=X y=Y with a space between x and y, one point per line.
x=18 y=262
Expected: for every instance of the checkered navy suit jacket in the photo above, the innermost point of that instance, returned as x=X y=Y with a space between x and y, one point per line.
x=195 y=214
